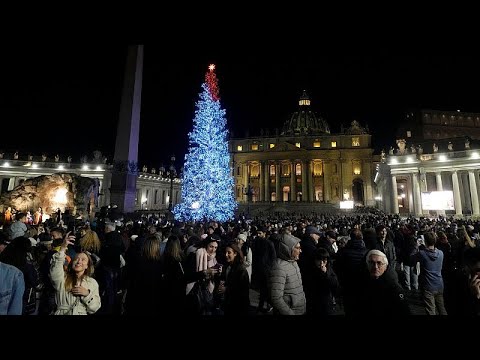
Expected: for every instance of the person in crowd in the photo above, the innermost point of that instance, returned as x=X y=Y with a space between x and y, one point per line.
x=241 y=241
x=349 y=267
x=408 y=249
x=144 y=295
x=47 y=297
x=285 y=280
x=38 y=216
x=380 y=293
x=234 y=283
x=76 y=290
x=89 y=240
x=324 y=283
x=263 y=252
x=465 y=286
x=385 y=245
x=110 y=268
x=19 y=227
x=431 y=281
x=18 y=254
x=8 y=215
x=12 y=288
x=174 y=280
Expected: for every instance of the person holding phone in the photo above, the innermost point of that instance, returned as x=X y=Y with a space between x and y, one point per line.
x=76 y=291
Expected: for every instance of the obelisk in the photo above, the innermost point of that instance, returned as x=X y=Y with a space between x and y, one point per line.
x=125 y=161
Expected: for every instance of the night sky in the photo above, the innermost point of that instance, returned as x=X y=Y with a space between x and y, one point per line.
x=66 y=99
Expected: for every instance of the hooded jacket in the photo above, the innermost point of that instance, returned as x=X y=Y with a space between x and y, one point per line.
x=431 y=261
x=285 y=280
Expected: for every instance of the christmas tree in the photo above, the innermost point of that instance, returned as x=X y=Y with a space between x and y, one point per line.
x=207 y=190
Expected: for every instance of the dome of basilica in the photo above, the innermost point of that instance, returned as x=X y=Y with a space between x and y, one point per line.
x=305 y=121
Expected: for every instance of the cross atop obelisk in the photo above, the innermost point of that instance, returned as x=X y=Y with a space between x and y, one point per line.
x=124 y=176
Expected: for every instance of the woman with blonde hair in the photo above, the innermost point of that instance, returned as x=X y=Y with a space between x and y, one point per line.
x=89 y=241
x=76 y=291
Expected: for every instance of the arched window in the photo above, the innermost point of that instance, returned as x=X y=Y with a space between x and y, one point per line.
x=254 y=170
x=317 y=169
x=298 y=169
x=286 y=169
x=274 y=196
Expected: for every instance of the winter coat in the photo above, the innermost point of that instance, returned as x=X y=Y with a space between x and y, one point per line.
x=67 y=303
x=285 y=280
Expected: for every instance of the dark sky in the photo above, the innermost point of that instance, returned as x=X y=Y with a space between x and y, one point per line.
x=66 y=99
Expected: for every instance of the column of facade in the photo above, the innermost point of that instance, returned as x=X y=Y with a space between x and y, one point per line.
x=473 y=193
x=293 y=192
x=11 y=183
x=311 y=189
x=268 y=196
x=423 y=186
x=456 y=194
x=438 y=177
x=260 y=181
x=304 y=182
x=417 y=200
x=475 y=173
x=368 y=189
x=279 y=195
x=394 y=195
x=326 y=181
x=246 y=179
x=464 y=191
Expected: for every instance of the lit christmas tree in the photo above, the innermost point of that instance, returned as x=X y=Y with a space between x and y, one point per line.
x=207 y=190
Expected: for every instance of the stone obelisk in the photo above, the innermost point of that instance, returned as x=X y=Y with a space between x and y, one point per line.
x=125 y=161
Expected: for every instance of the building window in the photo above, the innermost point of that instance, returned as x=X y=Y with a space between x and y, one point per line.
x=272 y=170
x=156 y=197
x=334 y=144
x=238 y=170
x=239 y=148
x=254 y=147
x=298 y=169
x=357 y=167
x=297 y=145
x=317 y=169
x=137 y=197
x=271 y=145
x=286 y=169
x=274 y=196
x=316 y=144
x=163 y=197
x=254 y=170
x=355 y=141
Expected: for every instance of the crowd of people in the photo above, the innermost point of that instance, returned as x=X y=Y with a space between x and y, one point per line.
x=362 y=263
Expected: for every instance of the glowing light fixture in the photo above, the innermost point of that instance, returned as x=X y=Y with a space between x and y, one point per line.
x=195 y=205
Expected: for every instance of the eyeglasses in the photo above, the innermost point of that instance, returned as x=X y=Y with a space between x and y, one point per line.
x=378 y=263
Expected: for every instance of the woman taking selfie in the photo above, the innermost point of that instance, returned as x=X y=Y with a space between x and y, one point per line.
x=76 y=291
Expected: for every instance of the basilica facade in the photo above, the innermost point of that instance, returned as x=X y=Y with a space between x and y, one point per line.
x=305 y=163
